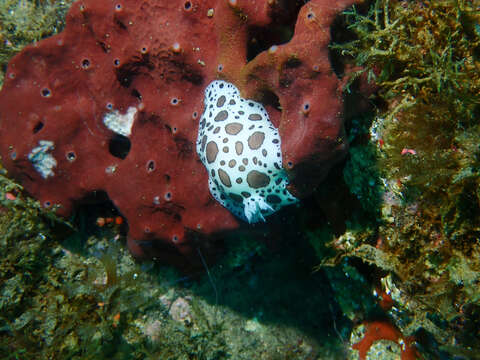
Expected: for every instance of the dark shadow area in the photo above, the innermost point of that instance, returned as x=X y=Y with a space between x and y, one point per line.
x=94 y=214
x=261 y=39
x=267 y=273
x=285 y=15
x=269 y=99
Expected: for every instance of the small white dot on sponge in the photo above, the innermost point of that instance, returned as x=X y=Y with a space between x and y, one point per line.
x=241 y=150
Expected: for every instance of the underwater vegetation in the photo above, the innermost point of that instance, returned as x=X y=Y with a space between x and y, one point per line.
x=420 y=151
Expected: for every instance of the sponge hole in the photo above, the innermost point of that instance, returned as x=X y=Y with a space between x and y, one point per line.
x=38 y=126
x=119 y=146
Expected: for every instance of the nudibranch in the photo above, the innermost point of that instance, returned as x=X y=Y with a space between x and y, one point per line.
x=241 y=150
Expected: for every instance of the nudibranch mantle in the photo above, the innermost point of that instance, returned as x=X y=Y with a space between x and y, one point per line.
x=241 y=150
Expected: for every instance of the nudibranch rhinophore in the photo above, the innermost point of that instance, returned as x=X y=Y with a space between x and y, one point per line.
x=241 y=150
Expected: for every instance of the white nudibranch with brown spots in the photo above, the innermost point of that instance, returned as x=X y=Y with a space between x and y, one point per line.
x=241 y=150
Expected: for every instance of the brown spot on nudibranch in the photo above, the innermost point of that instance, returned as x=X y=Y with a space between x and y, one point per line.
x=221 y=101
x=255 y=117
x=256 y=140
x=232 y=163
x=212 y=151
x=257 y=179
x=224 y=178
x=239 y=147
x=233 y=128
x=221 y=116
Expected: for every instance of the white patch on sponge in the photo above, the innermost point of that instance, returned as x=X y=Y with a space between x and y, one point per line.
x=42 y=160
x=120 y=123
x=241 y=150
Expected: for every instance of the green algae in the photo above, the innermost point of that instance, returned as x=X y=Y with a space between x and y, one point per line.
x=424 y=59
